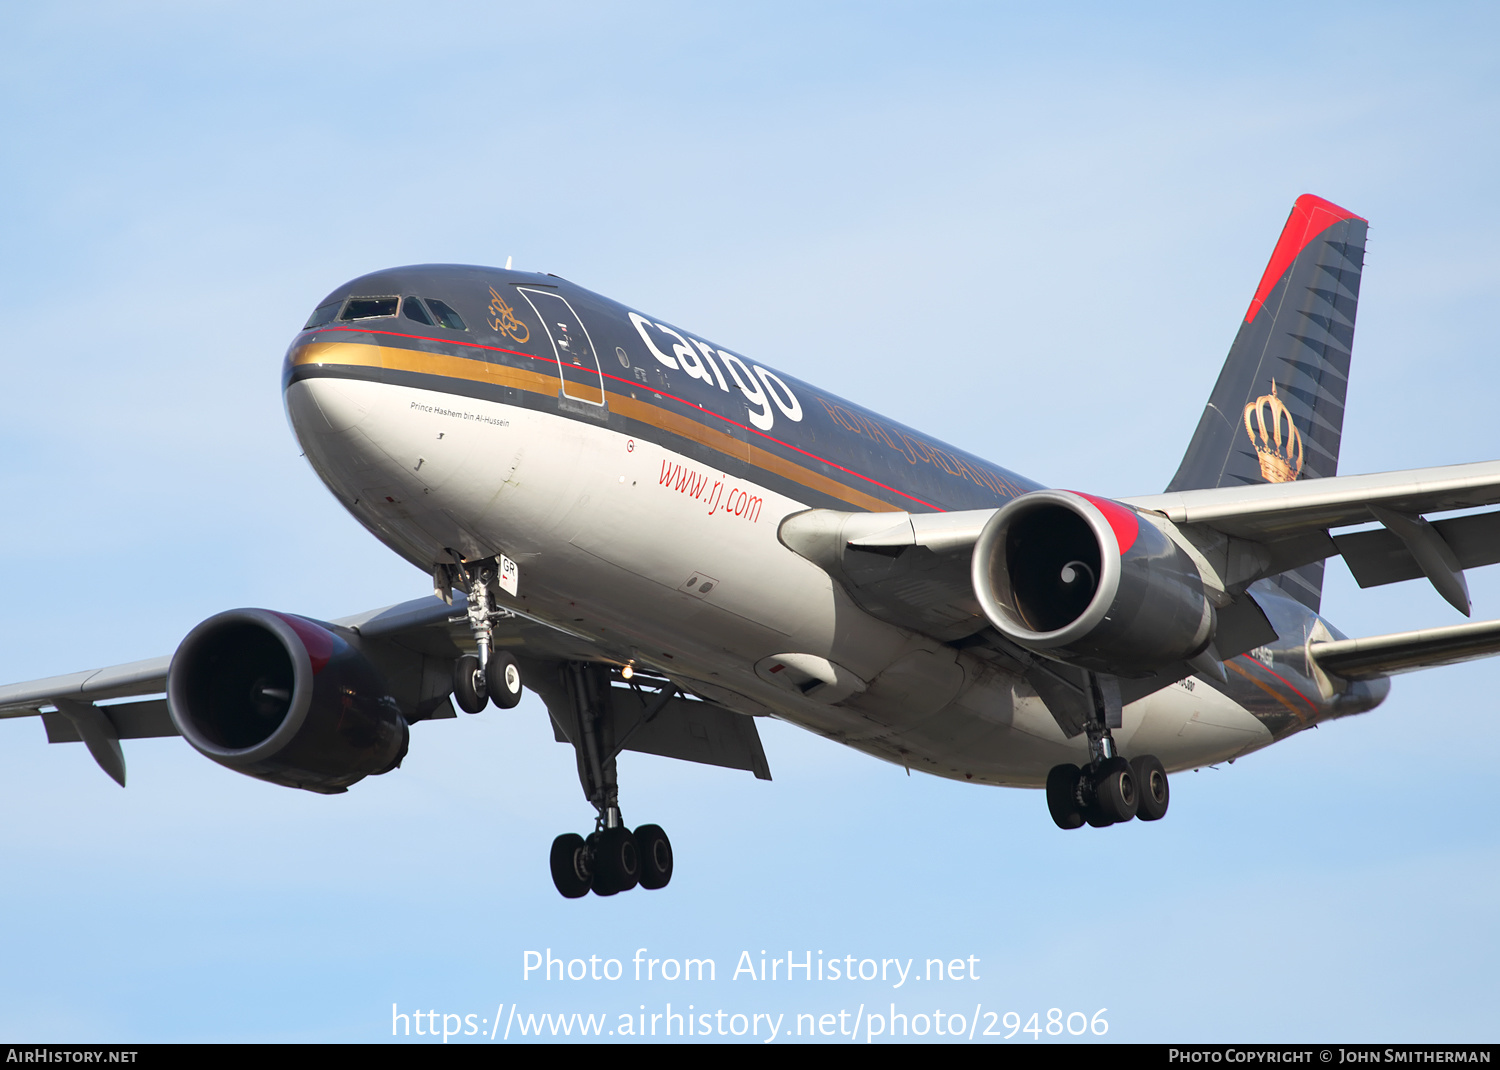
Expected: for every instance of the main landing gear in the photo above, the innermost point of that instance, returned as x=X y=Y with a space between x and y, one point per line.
x=1108 y=790
x=612 y=859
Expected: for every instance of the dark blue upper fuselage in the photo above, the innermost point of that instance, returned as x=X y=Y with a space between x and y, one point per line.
x=658 y=381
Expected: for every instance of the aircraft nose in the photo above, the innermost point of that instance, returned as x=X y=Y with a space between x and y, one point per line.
x=317 y=403
x=320 y=406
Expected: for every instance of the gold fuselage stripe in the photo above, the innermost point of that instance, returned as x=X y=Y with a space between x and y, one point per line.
x=1268 y=689
x=421 y=362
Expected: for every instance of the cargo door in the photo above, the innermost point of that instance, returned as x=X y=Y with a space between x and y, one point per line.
x=577 y=363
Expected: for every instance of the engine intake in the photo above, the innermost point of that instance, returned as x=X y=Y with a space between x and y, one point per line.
x=284 y=699
x=1085 y=580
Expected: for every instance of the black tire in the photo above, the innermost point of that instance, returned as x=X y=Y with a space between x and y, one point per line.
x=600 y=883
x=1062 y=796
x=466 y=685
x=1151 y=788
x=656 y=856
x=617 y=862
x=503 y=680
x=1115 y=795
x=1096 y=818
x=570 y=871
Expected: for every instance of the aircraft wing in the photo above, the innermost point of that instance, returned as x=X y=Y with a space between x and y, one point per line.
x=1385 y=655
x=913 y=568
x=415 y=641
x=1268 y=511
x=66 y=706
x=414 y=645
x=117 y=681
x=423 y=626
x=1288 y=524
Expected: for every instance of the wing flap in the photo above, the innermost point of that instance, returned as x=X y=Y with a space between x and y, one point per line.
x=1398 y=652
x=670 y=726
x=131 y=720
x=1379 y=557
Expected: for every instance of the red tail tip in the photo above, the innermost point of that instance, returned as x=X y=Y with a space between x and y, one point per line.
x=1310 y=217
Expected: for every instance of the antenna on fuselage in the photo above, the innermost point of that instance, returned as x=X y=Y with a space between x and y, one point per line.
x=507 y=263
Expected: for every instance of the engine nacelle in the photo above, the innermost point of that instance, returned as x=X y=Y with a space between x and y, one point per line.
x=284 y=699
x=1085 y=580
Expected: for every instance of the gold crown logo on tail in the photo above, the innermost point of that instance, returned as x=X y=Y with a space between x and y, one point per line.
x=1279 y=454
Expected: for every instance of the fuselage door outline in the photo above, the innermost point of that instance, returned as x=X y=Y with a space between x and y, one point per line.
x=571 y=345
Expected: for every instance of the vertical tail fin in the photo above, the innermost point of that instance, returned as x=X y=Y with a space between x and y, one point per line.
x=1277 y=412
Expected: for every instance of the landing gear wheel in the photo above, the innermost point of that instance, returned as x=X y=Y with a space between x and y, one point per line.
x=617 y=862
x=471 y=699
x=503 y=681
x=1093 y=814
x=1096 y=817
x=1062 y=796
x=1115 y=795
x=655 y=854
x=570 y=870
x=1151 y=788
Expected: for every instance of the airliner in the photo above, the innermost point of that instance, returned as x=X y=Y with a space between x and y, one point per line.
x=666 y=540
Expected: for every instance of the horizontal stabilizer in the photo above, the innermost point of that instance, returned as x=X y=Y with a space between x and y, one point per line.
x=1385 y=655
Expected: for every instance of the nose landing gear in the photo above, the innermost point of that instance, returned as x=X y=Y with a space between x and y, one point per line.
x=475 y=684
x=491 y=676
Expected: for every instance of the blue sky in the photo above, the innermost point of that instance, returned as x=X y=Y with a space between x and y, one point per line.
x=1031 y=233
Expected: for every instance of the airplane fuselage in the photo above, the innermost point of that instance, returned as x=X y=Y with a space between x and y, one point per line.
x=638 y=476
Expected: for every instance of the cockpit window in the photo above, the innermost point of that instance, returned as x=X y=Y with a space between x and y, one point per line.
x=323 y=314
x=412 y=309
x=446 y=316
x=364 y=308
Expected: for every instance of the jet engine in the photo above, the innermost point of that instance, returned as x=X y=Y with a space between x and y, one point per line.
x=284 y=699
x=1086 y=581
